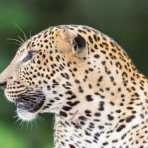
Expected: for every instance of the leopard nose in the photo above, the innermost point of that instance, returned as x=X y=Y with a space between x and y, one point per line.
x=3 y=84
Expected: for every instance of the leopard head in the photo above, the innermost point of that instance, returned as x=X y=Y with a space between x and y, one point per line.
x=39 y=76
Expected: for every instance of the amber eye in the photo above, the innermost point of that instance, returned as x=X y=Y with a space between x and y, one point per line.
x=29 y=56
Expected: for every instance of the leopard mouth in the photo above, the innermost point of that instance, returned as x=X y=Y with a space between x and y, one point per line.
x=29 y=104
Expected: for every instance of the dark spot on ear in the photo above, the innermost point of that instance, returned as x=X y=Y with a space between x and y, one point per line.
x=79 y=42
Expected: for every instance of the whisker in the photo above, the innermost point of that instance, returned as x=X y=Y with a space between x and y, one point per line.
x=18 y=42
x=22 y=31
x=30 y=34
x=25 y=124
x=21 y=39
x=18 y=121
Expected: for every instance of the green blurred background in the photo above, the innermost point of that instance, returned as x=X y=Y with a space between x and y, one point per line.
x=124 y=20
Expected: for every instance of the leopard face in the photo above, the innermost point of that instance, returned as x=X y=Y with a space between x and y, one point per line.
x=39 y=76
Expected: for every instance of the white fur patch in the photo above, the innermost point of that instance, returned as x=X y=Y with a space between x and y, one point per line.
x=25 y=115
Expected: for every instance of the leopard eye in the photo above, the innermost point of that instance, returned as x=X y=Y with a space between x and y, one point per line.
x=29 y=56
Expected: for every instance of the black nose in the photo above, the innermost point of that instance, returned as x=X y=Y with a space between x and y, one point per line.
x=3 y=84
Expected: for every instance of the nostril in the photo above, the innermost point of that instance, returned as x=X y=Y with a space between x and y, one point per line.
x=3 y=84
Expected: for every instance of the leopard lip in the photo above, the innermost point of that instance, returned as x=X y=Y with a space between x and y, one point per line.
x=31 y=101
x=29 y=106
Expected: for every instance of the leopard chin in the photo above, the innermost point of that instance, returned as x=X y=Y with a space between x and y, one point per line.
x=26 y=115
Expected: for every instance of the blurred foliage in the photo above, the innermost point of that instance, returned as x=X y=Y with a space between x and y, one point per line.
x=124 y=20
x=10 y=138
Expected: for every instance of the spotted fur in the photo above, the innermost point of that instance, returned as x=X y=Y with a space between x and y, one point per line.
x=87 y=80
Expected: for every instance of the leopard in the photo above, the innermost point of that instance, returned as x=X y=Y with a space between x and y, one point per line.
x=98 y=96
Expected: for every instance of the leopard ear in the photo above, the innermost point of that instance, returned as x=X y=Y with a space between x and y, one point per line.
x=67 y=40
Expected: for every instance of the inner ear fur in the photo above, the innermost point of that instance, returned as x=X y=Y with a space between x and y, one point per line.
x=69 y=41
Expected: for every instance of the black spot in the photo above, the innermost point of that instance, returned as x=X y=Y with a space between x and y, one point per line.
x=71 y=97
x=65 y=75
x=73 y=103
x=105 y=143
x=96 y=56
x=63 y=114
x=120 y=128
x=112 y=103
x=89 y=98
x=82 y=118
x=71 y=146
x=100 y=79
x=95 y=37
x=110 y=117
x=123 y=136
x=80 y=89
x=97 y=114
x=130 y=118
x=90 y=39
x=115 y=141
x=66 y=108
x=101 y=106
